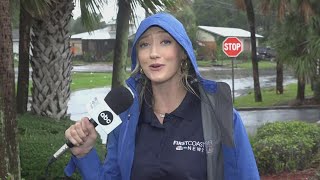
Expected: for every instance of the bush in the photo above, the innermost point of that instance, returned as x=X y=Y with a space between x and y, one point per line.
x=39 y=138
x=285 y=146
x=109 y=56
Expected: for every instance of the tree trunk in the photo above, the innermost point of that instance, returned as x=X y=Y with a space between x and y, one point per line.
x=316 y=89
x=301 y=88
x=316 y=82
x=24 y=59
x=255 y=68
x=9 y=147
x=279 y=79
x=121 y=44
x=51 y=61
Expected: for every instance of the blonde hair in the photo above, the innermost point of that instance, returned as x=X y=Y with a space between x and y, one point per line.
x=188 y=77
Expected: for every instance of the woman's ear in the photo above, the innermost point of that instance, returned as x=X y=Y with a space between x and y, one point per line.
x=184 y=56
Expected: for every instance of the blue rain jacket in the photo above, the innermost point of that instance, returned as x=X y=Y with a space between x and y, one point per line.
x=239 y=161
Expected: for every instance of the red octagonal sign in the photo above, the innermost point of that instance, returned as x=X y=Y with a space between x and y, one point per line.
x=232 y=46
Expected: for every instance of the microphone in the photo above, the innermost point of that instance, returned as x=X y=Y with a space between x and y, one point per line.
x=104 y=113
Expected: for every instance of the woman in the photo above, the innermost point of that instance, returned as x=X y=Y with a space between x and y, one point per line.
x=180 y=126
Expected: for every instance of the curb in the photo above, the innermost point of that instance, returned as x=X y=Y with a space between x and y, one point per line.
x=277 y=108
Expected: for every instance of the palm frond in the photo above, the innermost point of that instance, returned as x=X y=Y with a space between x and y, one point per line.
x=306 y=10
x=240 y=4
x=37 y=8
x=149 y=4
x=91 y=12
x=304 y=66
x=265 y=6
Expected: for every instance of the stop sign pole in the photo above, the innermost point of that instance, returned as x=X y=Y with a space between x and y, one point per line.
x=232 y=47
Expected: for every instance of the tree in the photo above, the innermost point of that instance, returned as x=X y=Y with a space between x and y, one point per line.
x=27 y=7
x=51 y=61
x=14 y=14
x=298 y=46
x=187 y=17
x=125 y=13
x=54 y=55
x=247 y=5
x=279 y=7
x=314 y=46
x=121 y=44
x=9 y=151
x=77 y=26
x=24 y=59
x=218 y=13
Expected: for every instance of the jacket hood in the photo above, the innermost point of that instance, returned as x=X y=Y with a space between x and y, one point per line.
x=174 y=28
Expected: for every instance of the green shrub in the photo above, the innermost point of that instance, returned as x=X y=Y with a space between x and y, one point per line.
x=109 y=56
x=39 y=139
x=285 y=146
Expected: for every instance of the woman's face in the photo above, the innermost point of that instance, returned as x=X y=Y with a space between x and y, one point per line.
x=160 y=56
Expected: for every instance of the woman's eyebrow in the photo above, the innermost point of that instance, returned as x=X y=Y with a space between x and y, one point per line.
x=148 y=34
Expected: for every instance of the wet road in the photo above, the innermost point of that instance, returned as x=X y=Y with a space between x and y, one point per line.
x=254 y=119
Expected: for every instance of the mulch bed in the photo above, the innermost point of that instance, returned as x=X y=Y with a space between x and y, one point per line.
x=308 y=174
x=307 y=101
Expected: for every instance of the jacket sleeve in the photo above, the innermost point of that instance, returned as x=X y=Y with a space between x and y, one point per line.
x=239 y=160
x=90 y=166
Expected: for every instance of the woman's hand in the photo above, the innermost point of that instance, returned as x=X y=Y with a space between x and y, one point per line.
x=83 y=135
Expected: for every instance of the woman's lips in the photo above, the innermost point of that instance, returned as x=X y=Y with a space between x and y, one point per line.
x=156 y=67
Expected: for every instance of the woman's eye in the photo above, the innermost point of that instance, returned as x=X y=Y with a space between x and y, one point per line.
x=143 y=44
x=166 y=42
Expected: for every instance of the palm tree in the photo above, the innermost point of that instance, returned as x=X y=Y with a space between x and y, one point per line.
x=125 y=13
x=51 y=60
x=314 y=46
x=24 y=59
x=9 y=151
x=247 y=5
x=43 y=11
x=300 y=53
x=121 y=44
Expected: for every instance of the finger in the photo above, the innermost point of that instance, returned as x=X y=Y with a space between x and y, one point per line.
x=80 y=132
x=85 y=123
x=90 y=128
x=72 y=136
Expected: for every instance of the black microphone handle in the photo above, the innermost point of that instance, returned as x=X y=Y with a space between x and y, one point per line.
x=66 y=146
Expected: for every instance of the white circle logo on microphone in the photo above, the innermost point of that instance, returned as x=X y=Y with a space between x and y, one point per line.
x=105 y=118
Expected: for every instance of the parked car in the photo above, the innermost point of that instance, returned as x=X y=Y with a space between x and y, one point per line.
x=266 y=53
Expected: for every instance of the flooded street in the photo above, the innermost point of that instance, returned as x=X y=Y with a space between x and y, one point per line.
x=254 y=119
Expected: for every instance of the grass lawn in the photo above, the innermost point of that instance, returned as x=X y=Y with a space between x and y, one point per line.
x=77 y=62
x=90 y=80
x=87 y=80
x=270 y=98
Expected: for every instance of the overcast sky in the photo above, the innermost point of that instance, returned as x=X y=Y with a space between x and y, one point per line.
x=109 y=11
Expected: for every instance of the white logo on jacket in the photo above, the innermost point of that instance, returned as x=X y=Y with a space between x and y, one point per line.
x=196 y=146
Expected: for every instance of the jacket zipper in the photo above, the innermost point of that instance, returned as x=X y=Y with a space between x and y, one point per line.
x=128 y=120
x=125 y=132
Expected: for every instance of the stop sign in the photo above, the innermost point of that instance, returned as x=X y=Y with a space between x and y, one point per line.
x=232 y=46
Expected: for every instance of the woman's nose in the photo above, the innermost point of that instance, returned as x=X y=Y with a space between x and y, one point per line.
x=154 y=52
